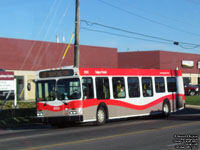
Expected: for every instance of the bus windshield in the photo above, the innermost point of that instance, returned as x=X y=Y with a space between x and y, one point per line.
x=68 y=89
x=45 y=90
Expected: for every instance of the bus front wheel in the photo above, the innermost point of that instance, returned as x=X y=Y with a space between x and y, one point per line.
x=101 y=116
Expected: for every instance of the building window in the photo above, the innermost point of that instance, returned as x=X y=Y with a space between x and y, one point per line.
x=118 y=87
x=102 y=88
x=186 y=80
x=171 y=84
x=133 y=87
x=20 y=87
x=198 y=80
x=147 y=86
x=160 y=84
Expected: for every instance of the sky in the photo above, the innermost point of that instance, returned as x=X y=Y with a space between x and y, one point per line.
x=128 y=25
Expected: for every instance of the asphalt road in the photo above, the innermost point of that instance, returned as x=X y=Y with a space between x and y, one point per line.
x=143 y=133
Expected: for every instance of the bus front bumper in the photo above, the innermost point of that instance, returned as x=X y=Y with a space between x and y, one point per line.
x=57 y=119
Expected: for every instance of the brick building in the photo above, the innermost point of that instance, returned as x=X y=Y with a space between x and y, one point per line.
x=23 y=57
x=188 y=63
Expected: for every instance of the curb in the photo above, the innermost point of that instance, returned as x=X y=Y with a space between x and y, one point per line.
x=193 y=106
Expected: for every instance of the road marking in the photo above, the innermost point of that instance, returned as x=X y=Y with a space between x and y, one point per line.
x=80 y=129
x=111 y=136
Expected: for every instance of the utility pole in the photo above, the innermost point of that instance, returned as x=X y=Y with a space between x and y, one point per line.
x=77 y=32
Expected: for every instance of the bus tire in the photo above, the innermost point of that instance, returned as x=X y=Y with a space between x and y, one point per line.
x=100 y=116
x=166 y=109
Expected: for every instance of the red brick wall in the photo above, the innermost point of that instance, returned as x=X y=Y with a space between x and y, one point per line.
x=98 y=57
x=34 y=55
x=144 y=59
x=157 y=60
x=171 y=60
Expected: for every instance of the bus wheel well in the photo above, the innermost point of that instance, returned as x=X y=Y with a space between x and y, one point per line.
x=104 y=106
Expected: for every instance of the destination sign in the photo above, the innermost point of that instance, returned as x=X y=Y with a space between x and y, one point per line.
x=56 y=73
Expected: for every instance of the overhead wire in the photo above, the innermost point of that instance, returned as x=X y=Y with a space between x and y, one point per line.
x=41 y=29
x=133 y=6
x=63 y=15
x=147 y=19
x=89 y=23
x=47 y=32
x=121 y=35
x=59 y=22
x=193 y=2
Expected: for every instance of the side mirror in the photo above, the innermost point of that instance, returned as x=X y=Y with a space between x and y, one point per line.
x=29 y=86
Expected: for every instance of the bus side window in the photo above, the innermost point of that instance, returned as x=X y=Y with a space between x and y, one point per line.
x=87 y=84
x=133 y=87
x=171 y=84
x=102 y=88
x=147 y=86
x=160 y=84
x=118 y=87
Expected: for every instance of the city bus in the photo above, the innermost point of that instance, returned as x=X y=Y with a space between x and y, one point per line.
x=71 y=94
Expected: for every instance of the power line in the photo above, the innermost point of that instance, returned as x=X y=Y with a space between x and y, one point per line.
x=120 y=35
x=123 y=30
x=187 y=47
x=147 y=19
x=41 y=29
x=193 y=2
x=140 y=34
x=36 y=60
x=132 y=5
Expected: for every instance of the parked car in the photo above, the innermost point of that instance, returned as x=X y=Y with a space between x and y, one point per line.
x=192 y=90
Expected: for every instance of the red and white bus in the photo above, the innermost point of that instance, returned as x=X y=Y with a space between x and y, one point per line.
x=98 y=94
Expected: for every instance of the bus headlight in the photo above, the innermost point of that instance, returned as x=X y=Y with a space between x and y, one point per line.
x=40 y=114
x=73 y=112
x=77 y=111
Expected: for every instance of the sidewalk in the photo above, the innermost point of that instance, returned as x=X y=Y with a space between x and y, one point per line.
x=23 y=129
x=193 y=106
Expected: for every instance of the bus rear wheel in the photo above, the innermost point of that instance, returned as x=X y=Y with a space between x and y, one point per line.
x=101 y=116
x=166 y=109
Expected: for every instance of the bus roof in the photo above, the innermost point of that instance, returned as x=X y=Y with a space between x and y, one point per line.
x=109 y=72
x=128 y=72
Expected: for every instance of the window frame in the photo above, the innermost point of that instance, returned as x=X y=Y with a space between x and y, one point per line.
x=122 y=80
x=97 y=93
x=91 y=87
x=146 y=92
x=170 y=85
x=160 y=86
x=134 y=87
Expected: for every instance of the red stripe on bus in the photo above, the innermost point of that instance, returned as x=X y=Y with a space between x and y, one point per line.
x=88 y=103
x=71 y=105
x=128 y=72
x=95 y=102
